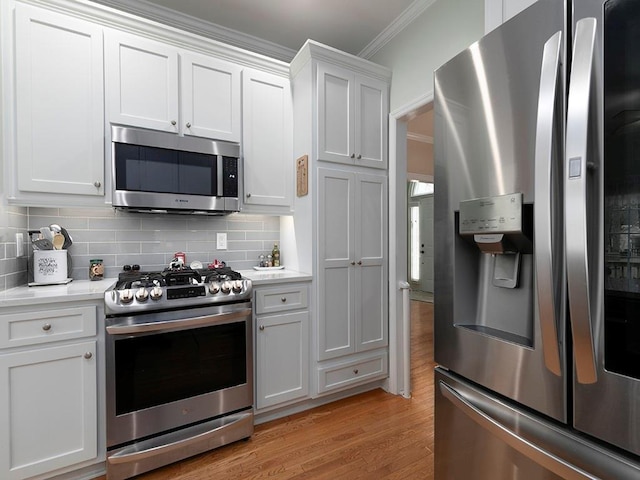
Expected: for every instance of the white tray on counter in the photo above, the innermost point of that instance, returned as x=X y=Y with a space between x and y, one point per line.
x=281 y=267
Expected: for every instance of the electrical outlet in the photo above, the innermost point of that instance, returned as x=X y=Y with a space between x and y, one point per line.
x=221 y=241
x=19 y=245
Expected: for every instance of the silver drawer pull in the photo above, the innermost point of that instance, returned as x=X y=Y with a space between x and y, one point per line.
x=88 y=355
x=355 y=370
x=46 y=327
x=261 y=328
x=283 y=299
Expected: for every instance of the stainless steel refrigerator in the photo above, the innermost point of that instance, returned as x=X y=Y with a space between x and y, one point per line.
x=537 y=221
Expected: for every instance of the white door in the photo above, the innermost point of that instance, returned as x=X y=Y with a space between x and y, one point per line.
x=426 y=244
x=48 y=409
x=336 y=257
x=282 y=344
x=371 y=261
x=142 y=82
x=267 y=139
x=371 y=120
x=335 y=114
x=59 y=101
x=210 y=97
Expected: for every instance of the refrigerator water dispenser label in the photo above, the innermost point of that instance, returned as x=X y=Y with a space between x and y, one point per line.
x=501 y=214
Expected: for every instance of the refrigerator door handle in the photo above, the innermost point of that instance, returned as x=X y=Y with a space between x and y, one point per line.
x=544 y=215
x=537 y=454
x=577 y=164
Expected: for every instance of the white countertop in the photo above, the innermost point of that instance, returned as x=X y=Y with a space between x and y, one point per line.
x=77 y=290
x=267 y=277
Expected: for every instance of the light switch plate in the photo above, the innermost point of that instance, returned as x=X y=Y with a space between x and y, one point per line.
x=221 y=241
x=19 y=245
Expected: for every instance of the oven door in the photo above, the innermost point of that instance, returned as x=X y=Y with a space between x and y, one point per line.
x=166 y=370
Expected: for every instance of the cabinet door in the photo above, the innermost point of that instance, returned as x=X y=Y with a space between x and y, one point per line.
x=48 y=408
x=282 y=353
x=59 y=103
x=210 y=97
x=371 y=284
x=336 y=267
x=142 y=82
x=371 y=120
x=267 y=140
x=335 y=114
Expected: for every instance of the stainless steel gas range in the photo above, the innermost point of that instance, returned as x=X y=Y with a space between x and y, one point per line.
x=179 y=353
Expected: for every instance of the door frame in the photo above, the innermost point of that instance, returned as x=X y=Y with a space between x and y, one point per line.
x=399 y=254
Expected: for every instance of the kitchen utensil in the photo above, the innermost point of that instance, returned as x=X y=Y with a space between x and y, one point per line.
x=43 y=244
x=55 y=228
x=67 y=238
x=46 y=233
x=58 y=241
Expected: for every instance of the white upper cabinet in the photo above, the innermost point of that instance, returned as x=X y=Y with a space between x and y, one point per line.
x=496 y=12
x=210 y=97
x=142 y=82
x=267 y=142
x=59 y=106
x=352 y=117
x=157 y=86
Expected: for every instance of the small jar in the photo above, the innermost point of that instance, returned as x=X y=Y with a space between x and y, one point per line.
x=96 y=269
x=269 y=261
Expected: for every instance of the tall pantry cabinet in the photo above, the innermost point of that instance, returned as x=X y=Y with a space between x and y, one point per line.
x=340 y=125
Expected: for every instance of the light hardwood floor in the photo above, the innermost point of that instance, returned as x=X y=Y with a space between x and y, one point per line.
x=374 y=435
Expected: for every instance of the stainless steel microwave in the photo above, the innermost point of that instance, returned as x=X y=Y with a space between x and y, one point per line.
x=163 y=172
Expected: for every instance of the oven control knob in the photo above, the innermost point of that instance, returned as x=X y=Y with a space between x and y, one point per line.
x=214 y=287
x=126 y=296
x=142 y=294
x=237 y=286
x=156 y=293
x=226 y=287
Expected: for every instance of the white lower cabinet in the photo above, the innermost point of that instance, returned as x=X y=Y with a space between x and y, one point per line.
x=48 y=392
x=282 y=344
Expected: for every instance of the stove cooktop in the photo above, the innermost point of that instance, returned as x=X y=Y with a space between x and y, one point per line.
x=141 y=291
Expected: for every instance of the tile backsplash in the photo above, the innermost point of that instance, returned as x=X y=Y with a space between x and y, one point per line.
x=149 y=240
x=13 y=271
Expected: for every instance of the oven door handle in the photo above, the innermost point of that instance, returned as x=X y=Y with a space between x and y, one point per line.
x=179 y=324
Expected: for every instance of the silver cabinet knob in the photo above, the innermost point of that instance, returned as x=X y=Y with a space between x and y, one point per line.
x=359 y=262
x=97 y=184
x=353 y=155
x=188 y=124
x=359 y=156
x=353 y=263
x=88 y=355
x=355 y=370
x=46 y=327
x=283 y=299
x=248 y=195
x=261 y=327
x=173 y=122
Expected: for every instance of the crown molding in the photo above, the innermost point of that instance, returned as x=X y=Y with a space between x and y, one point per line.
x=401 y=22
x=315 y=50
x=196 y=26
x=417 y=137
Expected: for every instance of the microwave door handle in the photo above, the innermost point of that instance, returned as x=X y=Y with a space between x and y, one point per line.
x=220 y=173
x=548 y=134
x=579 y=167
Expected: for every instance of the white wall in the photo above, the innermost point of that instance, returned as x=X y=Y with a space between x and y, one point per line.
x=444 y=29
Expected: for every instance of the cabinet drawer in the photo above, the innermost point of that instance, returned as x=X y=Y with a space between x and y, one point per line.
x=281 y=298
x=346 y=374
x=43 y=326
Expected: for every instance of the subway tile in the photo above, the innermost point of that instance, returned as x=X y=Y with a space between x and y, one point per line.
x=88 y=212
x=245 y=245
x=256 y=225
x=164 y=247
x=118 y=224
x=268 y=236
x=93 y=236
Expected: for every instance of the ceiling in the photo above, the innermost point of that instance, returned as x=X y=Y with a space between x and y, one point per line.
x=353 y=26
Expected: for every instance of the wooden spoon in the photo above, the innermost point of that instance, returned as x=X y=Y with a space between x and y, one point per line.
x=58 y=241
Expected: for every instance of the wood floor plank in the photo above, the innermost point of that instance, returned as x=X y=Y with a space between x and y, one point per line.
x=374 y=435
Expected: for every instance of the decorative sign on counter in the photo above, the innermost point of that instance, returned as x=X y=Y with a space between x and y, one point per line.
x=302 y=177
